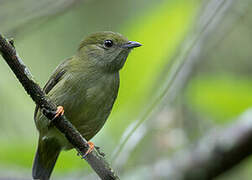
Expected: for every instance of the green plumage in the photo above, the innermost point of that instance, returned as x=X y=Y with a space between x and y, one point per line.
x=86 y=85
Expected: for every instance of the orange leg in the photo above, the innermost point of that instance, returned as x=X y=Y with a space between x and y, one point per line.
x=90 y=149
x=59 y=112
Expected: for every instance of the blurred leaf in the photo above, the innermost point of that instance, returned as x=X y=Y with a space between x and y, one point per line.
x=17 y=154
x=160 y=31
x=221 y=97
x=22 y=154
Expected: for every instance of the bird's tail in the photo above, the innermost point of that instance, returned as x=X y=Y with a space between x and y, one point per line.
x=45 y=159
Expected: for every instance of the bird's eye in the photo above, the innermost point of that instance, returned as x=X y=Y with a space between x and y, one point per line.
x=108 y=43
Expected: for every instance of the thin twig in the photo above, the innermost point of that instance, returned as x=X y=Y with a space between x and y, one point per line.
x=96 y=160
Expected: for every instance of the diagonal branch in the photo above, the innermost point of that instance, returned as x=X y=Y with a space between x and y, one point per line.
x=95 y=159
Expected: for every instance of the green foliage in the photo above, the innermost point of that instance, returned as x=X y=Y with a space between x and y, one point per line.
x=160 y=31
x=22 y=154
x=17 y=154
x=221 y=96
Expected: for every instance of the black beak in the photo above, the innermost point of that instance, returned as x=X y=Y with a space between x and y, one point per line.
x=131 y=45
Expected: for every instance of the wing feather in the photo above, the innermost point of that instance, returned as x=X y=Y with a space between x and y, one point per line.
x=54 y=79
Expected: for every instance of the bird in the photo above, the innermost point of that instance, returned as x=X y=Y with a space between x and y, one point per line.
x=84 y=87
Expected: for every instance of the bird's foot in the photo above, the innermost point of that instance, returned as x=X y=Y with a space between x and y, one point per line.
x=53 y=114
x=90 y=149
x=59 y=112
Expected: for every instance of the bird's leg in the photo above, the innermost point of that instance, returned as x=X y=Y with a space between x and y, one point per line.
x=54 y=114
x=90 y=149
x=59 y=112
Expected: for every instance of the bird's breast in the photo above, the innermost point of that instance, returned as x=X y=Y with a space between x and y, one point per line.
x=91 y=102
x=87 y=102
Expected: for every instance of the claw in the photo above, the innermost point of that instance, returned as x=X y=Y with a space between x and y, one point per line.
x=90 y=149
x=59 y=112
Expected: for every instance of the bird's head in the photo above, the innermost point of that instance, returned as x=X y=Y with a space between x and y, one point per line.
x=106 y=50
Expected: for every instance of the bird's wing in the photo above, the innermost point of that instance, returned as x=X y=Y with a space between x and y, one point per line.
x=54 y=79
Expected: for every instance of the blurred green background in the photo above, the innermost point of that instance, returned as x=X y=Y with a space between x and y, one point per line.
x=216 y=92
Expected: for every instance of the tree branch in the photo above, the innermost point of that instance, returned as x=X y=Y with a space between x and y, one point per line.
x=95 y=159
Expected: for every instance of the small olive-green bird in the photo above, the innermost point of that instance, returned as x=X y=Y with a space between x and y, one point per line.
x=86 y=85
